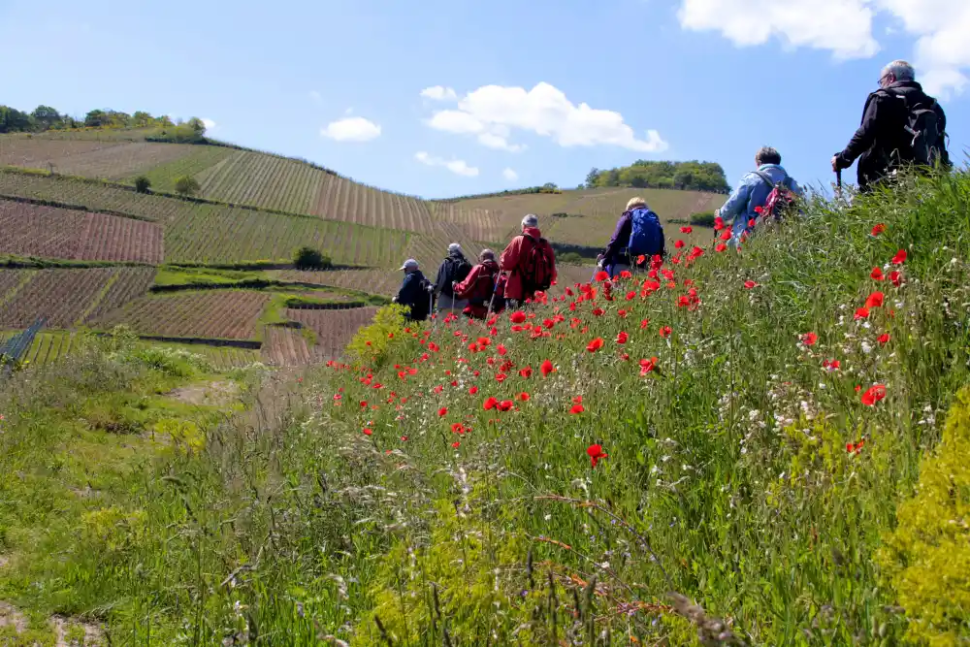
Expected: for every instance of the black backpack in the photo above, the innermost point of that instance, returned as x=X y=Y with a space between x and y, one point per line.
x=925 y=140
x=421 y=308
x=458 y=269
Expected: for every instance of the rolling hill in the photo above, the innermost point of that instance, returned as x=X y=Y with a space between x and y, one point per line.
x=74 y=224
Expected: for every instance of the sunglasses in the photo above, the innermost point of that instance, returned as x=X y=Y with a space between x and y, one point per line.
x=883 y=78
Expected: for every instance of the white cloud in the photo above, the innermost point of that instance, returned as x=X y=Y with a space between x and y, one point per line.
x=492 y=112
x=439 y=93
x=458 y=167
x=352 y=129
x=209 y=124
x=316 y=97
x=845 y=27
x=510 y=175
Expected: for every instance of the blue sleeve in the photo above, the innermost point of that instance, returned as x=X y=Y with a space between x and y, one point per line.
x=406 y=294
x=793 y=185
x=738 y=202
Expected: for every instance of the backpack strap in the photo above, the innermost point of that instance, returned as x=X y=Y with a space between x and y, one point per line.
x=767 y=179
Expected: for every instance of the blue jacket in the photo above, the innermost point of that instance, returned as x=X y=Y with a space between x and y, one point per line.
x=753 y=192
x=413 y=295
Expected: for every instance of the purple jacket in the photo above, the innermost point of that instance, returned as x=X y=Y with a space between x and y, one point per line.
x=616 y=248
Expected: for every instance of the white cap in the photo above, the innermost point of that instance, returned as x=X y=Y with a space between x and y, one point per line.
x=530 y=220
x=409 y=264
x=454 y=247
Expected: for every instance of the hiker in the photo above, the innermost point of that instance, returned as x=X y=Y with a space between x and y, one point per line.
x=638 y=233
x=416 y=292
x=453 y=270
x=530 y=263
x=901 y=124
x=751 y=198
x=479 y=288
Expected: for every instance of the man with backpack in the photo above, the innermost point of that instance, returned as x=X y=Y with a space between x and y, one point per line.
x=530 y=263
x=767 y=193
x=479 y=287
x=416 y=292
x=453 y=270
x=901 y=125
x=638 y=233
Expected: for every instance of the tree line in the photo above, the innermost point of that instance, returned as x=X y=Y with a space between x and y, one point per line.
x=686 y=176
x=46 y=118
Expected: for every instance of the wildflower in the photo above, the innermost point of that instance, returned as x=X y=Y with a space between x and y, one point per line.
x=644 y=323
x=595 y=453
x=876 y=274
x=577 y=409
x=862 y=313
x=578 y=399
x=878 y=229
x=855 y=448
x=725 y=236
x=601 y=276
x=524 y=396
x=457 y=428
x=720 y=248
x=679 y=244
x=647 y=365
x=832 y=364
x=896 y=277
x=873 y=395
x=517 y=317
x=686 y=229
x=899 y=258
x=718 y=223
x=489 y=404
x=750 y=285
x=442 y=412
x=809 y=338
x=547 y=368
x=883 y=339
x=595 y=345
x=622 y=337
x=506 y=405
x=875 y=300
x=473 y=390
x=501 y=377
x=501 y=350
x=456 y=444
x=598 y=312
x=526 y=372
x=368 y=431
x=666 y=331
x=625 y=274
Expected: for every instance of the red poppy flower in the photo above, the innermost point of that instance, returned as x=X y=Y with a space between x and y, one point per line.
x=631 y=295
x=862 y=313
x=896 y=277
x=718 y=223
x=686 y=229
x=832 y=364
x=876 y=274
x=647 y=365
x=899 y=258
x=457 y=428
x=577 y=409
x=489 y=404
x=622 y=337
x=363 y=404
x=473 y=390
x=368 y=431
x=526 y=372
x=501 y=350
x=666 y=331
x=506 y=405
x=578 y=399
x=752 y=223
x=883 y=339
x=679 y=244
x=625 y=274
x=501 y=377
x=595 y=453
x=878 y=229
x=875 y=300
x=750 y=285
x=644 y=324
x=855 y=448
x=598 y=312
x=873 y=395
x=601 y=276
x=517 y=317
x=524 y=396
x=547 y=368
x=456 y=444
x=595 y=345
x=720 y=248
x=809 y=338
x=443 y=411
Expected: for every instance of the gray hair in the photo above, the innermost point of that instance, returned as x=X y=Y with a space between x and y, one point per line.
x=530 y=220
x=767 y=155
x=454 y=247
x=487 y=253
x=902 y=70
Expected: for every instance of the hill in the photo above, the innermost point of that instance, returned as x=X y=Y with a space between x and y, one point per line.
x=764 y=448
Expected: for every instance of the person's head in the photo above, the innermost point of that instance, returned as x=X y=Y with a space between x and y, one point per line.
x=409 y=266
x=767 y=155
x=530 y=221
x=635 y=203
x=896 y=71
x=486 y=255
x=454 y=248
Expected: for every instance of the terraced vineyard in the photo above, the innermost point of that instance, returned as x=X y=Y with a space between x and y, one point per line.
x=31 y=230
x=343 y=199
x=375 y=281
x=334 y=328
x=262 y=180
x=229 y=314
x=40 y=152
x=200 y=158
x=283 y=346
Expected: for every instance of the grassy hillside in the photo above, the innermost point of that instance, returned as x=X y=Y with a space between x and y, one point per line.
x=726 y=454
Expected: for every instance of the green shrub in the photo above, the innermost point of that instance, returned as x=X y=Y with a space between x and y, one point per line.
x=307 y=258
x=572 y=258
x=371 y=343
x=927 y=557
x=143 y=184
x=187 y=185
x=704 y=219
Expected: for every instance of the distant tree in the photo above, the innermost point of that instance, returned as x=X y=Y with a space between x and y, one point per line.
x=591 y=177
x=197 y=125
x=307 y=258
x=696 y=176
x=96 y=119
x=613 y=178
x=45 y=117
x=187 y=185
x=13 y=120
x=141 y=119
x=550 y=185
x=143 y=184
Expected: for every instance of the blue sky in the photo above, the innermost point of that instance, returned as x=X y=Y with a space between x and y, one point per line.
x=715 y=79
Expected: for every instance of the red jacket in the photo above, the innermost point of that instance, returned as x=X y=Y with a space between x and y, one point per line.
x=477 y=288
x=514 y=258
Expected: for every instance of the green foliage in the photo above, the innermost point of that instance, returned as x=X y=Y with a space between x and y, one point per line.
x=307 y=258
x=704 y=219
x=143 y=184
x=371 y=343
x=570 y=257
x=693 y=176
x=187 y=185
x=927 y=558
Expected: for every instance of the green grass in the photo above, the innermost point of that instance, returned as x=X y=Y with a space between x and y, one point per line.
x=163 y=176
x=726 y=477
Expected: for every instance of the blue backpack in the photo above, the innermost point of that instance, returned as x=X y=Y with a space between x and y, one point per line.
x=646 y=233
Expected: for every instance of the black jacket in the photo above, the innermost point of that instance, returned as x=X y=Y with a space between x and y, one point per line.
x=453 y=269
x=414 y=295
x=882 y=134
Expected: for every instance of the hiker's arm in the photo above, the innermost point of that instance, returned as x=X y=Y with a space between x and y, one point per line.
x=864 y=137
x=406 y=294
x=555 y=271
x=465 y=287
x=620 y=234
x=737 y=202
x=439 y=283
x=510 y=257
